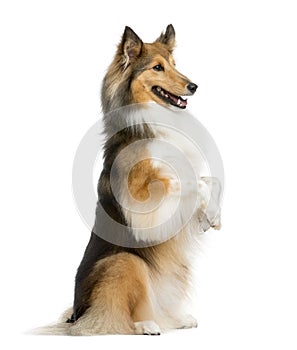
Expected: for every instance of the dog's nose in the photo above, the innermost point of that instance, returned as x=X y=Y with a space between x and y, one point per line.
x=192 y=87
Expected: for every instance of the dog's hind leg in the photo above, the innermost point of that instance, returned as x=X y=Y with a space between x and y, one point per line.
x=119 y=298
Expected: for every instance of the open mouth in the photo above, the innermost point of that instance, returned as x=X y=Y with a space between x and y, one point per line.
x=168 y=97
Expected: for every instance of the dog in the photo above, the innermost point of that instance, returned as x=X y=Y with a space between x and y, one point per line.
x=135 y=273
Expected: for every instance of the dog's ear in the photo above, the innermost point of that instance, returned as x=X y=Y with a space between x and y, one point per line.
x=168 y=39
x=131 y=45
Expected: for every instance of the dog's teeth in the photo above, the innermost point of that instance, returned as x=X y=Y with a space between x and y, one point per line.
x=166 y=95
x=158 y=89
x=178 y=102
x=162 y=92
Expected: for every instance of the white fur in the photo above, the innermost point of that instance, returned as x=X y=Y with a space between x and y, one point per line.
x=188 y=321
x=193 y=194
x=190 y=206
x=147 y=328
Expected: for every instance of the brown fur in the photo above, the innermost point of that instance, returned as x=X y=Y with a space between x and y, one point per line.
x=121 y=287
x=116 y=291
x=170 y=79
x=133 y=64
x=144 y=179
x=119 y=296
x=117 y=286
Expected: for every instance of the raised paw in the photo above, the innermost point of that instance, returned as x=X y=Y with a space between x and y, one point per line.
x=147 y=328
x=210 y=211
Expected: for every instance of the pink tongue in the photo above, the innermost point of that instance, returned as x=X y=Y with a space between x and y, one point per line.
x=183 y=103
x=175 y=99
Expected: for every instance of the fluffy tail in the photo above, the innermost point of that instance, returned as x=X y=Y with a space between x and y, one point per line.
x=54 y=329
x=59 y=328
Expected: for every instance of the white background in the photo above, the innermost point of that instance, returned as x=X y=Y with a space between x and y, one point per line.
x=243 y=55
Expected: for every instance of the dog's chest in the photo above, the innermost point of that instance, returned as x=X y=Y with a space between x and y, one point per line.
x=172 y=146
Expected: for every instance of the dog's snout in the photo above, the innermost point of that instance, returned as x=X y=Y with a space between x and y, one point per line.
x=192 y=87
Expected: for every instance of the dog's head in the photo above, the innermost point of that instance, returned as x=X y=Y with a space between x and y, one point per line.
x=147 y=72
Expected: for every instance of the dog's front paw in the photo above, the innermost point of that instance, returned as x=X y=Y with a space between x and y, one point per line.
x=210 y=211
x=147 y=328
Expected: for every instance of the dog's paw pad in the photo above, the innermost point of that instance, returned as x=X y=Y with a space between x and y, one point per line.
x=147 y=328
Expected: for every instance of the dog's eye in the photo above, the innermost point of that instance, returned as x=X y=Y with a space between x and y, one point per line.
x=158 y=68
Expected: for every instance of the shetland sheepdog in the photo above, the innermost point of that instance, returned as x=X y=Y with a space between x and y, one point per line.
x=135 y=274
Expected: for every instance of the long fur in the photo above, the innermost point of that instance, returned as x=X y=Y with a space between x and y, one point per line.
x=120 y=289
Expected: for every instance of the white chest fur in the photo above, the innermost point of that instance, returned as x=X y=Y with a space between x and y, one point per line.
x=177 y=153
